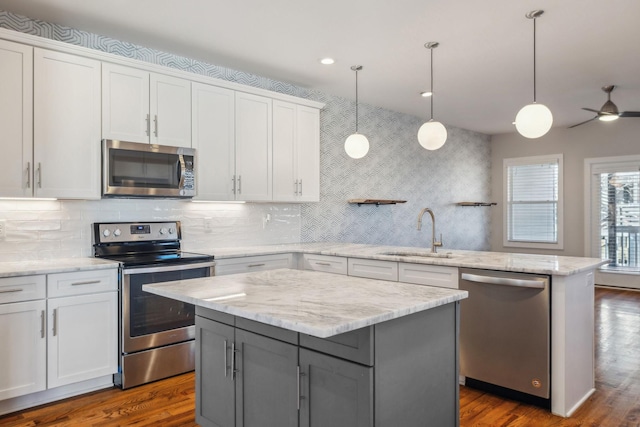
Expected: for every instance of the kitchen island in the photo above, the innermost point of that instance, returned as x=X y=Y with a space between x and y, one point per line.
x=288 y=347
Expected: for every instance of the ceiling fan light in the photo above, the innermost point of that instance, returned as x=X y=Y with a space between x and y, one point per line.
x=356 y=145
x=534 y=120
x=432 y=135
x=607 y=117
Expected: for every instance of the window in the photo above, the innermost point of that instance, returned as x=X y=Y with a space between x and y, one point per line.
x=533 y=202
x=614 y=214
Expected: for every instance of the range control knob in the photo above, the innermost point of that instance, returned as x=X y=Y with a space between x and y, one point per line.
x=117 y=232
x=163 y=231
x=171 y=230
x=106 y=233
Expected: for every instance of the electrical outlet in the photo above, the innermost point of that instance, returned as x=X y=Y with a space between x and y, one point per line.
x=3 y=229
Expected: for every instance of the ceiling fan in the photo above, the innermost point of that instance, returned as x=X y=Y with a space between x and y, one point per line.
x=609 y=111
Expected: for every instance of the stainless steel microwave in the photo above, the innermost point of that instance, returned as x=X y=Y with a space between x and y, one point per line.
x=132 y=169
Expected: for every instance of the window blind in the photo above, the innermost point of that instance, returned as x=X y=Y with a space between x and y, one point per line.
x=532 y=202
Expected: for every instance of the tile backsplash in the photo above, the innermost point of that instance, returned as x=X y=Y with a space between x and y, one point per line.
x=396 y=167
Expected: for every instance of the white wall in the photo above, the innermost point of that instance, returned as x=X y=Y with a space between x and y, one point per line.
x=594 y=139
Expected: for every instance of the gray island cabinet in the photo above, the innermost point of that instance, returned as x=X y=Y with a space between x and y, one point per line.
x=300 y=348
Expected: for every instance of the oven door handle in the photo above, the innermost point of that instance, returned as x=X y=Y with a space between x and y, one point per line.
x=171 y=267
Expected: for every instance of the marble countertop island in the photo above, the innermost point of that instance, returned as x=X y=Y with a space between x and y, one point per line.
x=501 y=261
x=314 y=303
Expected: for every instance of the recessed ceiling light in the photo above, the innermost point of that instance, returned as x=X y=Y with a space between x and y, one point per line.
x=426 y=94
x=327 y=61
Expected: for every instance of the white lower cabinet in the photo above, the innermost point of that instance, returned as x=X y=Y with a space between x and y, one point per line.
x=373 y=269
x=253 y=263
x=48 y=343
x=24 y=348
x=326 y=263
x=82 y=338
x=431 y=275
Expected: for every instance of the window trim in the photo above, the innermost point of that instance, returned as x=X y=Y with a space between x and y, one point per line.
x=520 y=161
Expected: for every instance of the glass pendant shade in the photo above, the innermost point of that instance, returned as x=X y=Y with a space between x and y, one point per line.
x=432 y=135
x=534 y=120
x=356 y=145
x=608 y=117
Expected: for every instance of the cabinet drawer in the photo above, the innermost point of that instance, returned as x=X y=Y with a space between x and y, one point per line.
x=82 y=282
x=328 y=264
x=22 y=288
x=356 y=346
x=253 y=263
x=431 y=275
x=373 y=269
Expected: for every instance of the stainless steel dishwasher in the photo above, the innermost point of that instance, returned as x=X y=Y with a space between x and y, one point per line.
x=505 y=334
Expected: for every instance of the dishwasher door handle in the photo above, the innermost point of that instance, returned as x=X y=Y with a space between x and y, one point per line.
x=522 y=283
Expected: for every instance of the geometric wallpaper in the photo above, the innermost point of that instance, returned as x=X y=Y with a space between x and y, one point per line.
x=396 y=167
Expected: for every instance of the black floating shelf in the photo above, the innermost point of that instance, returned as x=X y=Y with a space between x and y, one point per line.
x=376 y=202
x=475 y=204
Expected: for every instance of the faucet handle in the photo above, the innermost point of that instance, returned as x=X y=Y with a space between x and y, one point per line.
x=436 y=243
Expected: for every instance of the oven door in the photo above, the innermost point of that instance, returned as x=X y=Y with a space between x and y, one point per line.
x=150 y=321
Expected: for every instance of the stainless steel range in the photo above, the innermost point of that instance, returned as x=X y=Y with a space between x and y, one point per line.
x=156 y=333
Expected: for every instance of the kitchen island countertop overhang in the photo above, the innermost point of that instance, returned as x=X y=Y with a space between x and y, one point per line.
x=310 y=302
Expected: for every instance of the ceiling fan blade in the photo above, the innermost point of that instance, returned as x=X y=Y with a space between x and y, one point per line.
x=630 y=114
x=586 y=121
x=592 y=110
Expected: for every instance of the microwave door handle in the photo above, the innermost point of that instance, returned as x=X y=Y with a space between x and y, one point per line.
x=181 y=169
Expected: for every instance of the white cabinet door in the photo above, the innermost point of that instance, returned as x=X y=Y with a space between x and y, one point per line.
x=66 y=126
x=285 y=179
x=24 y=349
x=308 y=154
x=253 y=147
x=16 y=119
x=170 y=109
x=213 y=132
x=82 y=338
x=373 y=269
x=125 y=103
x=296 y=153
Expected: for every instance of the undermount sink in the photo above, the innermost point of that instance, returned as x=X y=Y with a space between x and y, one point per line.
x=418 y=254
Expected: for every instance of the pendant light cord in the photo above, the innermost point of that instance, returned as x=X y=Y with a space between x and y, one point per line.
x=431 y=51
x=534 y=60
x=357 y=99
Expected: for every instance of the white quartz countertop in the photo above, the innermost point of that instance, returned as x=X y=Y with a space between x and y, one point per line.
x=28 y=268
x=503 y=261
x=314 y=303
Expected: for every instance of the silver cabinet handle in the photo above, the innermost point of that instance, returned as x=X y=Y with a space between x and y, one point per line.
x=148 y=127
x=296 y=188
x=323 y=263
x=239 y=184
x=299 y=376
x=88 y=282
x=28 y=174
x=256 y=265
x=233 y=360
x=39 y=171
x=55 y=322
x=233 y=181
x=538 y=284
x=9 y=291
x=300 y=187
x=225 y=358
x=155 y=124
x=42 y=327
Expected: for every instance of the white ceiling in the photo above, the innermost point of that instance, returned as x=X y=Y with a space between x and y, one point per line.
x=482 y=69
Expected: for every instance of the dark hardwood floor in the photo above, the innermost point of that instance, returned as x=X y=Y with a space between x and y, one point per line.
x=616 y=402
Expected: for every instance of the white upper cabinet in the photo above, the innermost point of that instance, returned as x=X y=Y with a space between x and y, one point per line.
x=16 y=119
x=253 y=147
x=296 y=153
x=139 y=106
x=213 y=119
x=66 y=126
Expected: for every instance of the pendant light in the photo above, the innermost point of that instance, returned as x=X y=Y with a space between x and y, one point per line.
x=356 y=145
x=432 y=134
x=534 y=120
